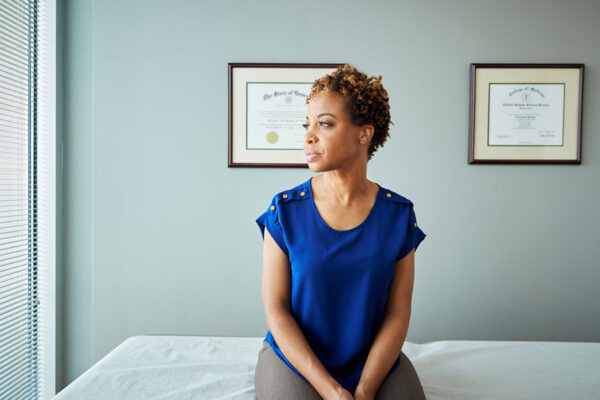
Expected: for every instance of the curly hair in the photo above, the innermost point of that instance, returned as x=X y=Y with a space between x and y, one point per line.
x=366 y=101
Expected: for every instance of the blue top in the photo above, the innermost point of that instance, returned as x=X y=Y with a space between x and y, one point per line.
x=340 y=279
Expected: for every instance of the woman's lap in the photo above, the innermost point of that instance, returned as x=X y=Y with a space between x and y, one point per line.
x=273 y=379
x=402 y=383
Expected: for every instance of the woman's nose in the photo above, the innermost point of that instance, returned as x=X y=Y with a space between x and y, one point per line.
x=308 y=136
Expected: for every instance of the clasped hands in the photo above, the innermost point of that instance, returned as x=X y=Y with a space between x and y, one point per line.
x=359 y=394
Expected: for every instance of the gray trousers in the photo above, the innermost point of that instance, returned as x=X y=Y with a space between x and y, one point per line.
x=273 y=379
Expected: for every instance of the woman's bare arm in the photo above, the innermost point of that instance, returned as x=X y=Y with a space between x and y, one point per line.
x=276 y=290
x=392 y=332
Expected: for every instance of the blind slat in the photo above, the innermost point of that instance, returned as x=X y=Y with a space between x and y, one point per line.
x=13 y=321
x=17 y=356
x=15 y=77
x=16 y=19
x=13 y=116
x=19 y=307
x=14 y=288
x=18 y=31
x=18 y=390
x=25 y=6
x=16 y=333
x=16 y=38
x=26 y=234
x=10 y=292
x=18 y=360
x=14 y=337
x=17 y=277
x=11 y=58
x=11 y=302
x=6 y=86
x=6 y=271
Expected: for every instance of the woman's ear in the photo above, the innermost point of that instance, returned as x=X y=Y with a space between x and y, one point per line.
x=366 y=133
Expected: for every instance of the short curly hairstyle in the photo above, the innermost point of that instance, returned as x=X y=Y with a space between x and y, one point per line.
x=366 y=101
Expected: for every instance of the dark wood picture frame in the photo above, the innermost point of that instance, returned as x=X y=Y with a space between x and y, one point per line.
x=232 y=67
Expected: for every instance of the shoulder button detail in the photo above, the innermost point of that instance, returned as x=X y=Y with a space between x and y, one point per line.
x=272 y=208
x=395 y=197
x=291 y=195
x=415 y=224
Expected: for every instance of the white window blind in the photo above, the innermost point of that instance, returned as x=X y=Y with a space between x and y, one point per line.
x=27 y=198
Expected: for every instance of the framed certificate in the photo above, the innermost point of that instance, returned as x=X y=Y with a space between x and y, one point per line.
x=525 y=113
x=267 y=107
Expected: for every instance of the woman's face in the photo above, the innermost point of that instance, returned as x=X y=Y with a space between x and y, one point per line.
x=331 y=140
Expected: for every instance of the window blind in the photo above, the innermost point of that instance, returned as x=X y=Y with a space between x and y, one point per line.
x=27 y=199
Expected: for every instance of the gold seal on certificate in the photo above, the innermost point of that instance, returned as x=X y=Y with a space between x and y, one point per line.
x=276 y=112
x=272 y=137
x=526 y=114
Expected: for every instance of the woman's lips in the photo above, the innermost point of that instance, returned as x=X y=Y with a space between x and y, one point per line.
x=311 y=156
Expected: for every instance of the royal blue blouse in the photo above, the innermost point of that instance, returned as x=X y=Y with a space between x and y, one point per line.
x=340 y=279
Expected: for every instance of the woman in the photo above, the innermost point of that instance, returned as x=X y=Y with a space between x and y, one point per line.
x=338 y=260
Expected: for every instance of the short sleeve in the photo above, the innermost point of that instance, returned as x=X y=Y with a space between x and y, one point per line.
x=414 y=236
x=270 y=220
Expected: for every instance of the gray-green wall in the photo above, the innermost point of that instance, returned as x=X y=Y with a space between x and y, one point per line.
x=159 y=235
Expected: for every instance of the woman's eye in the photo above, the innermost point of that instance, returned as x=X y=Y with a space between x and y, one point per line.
x=320 y=123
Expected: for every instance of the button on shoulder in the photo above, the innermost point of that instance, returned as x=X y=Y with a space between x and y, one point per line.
x=296 y=193
x=395 y=197
x=284 y=196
